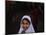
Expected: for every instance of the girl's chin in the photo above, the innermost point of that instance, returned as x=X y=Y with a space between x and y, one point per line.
x=25 y=28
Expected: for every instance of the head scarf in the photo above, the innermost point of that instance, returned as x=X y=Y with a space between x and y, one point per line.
x=30 y=29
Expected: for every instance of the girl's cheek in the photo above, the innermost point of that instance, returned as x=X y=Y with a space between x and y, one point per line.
x=27 y=25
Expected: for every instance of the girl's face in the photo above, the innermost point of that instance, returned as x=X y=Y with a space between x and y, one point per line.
x=25 y=24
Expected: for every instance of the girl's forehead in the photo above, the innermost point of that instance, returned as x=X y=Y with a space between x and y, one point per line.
x=25 y=21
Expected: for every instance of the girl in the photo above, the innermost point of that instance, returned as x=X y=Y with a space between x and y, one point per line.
x=26 y=25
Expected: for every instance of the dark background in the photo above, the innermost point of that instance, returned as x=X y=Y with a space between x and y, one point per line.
x=16 y=9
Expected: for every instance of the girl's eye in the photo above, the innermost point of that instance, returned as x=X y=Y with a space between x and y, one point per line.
x=26 y=23
x=22 y=22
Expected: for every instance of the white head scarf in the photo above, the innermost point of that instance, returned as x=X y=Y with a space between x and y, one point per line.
x=30 y=29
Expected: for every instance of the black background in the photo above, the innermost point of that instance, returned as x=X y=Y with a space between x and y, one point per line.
x=16 y=9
